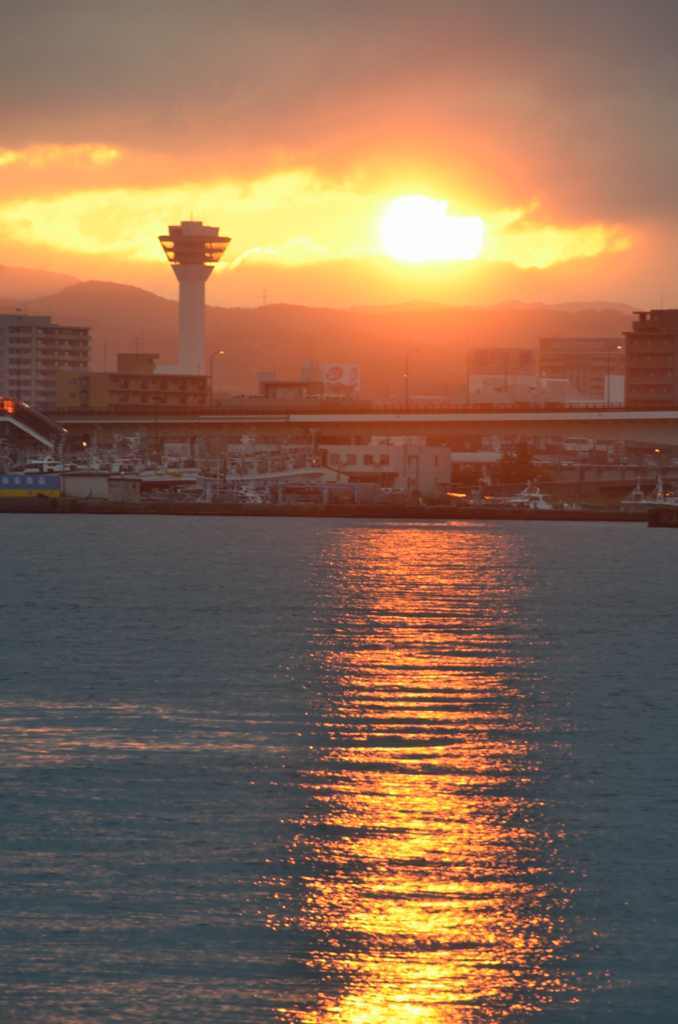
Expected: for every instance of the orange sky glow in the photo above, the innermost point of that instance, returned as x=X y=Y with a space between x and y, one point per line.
x=297 y=144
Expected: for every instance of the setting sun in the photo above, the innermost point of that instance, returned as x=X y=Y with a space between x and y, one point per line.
x=416 y=229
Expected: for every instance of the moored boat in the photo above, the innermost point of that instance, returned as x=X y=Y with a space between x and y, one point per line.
x=661 y=496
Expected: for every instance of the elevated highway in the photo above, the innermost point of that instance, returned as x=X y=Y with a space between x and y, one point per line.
x=20 y=424
x=360 y=419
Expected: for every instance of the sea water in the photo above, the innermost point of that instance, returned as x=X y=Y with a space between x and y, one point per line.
x=330 y=772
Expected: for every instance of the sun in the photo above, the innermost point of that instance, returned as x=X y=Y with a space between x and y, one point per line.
x=417 y=229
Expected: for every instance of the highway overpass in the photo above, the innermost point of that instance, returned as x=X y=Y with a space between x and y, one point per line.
x=273 y=420
x=22 y=425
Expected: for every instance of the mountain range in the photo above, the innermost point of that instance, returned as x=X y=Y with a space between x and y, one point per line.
x=281 y=337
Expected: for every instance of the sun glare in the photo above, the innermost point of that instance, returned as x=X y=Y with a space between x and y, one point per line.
x=416 y=229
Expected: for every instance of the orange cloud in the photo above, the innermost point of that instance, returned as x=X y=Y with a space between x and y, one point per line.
x=292 y=218
x=39 y=157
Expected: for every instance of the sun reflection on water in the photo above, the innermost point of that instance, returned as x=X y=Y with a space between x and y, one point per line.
x=427 y=856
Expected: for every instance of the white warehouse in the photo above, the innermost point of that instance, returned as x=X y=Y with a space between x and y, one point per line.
x=400 y=467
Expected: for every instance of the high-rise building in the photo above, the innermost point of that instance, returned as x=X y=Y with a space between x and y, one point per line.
x=652 y=359
x=32 y=351
x=192 y=248
x=594 y=365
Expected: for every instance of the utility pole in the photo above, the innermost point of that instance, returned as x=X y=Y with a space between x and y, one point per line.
x=407 y=375
x=218 y=352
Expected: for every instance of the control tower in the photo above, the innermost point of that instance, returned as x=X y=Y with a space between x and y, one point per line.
x=192 y=248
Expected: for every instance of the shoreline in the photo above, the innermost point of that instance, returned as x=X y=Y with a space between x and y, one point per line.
x=90 y=506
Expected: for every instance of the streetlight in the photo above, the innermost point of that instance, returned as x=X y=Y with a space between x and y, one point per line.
x=407 y=375
x=219 y=352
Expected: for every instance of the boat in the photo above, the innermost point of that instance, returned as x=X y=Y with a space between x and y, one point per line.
x=661 y=496
x=529 y=497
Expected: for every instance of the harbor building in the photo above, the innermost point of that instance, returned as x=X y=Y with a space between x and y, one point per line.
x=134 y=385
x=32 y=352
x=192 y=249
x=595 y=366
x=398 y=467
x=652 y=360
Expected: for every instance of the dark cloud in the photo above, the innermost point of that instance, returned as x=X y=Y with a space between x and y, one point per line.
x=578 y=96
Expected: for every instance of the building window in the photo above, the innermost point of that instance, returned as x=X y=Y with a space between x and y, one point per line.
x=368 y=460
x=351 y=460
x=384 y=460
x=334 y=459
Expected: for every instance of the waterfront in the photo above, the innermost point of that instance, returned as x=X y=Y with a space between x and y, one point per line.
x=316 y=771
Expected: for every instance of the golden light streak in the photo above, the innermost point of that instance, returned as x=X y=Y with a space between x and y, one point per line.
x=434 y=908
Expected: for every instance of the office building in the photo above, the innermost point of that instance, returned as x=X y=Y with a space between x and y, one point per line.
x=595 y=366
x=501 y=375
x=652 y=360
x=135 y=385
x=32 y=351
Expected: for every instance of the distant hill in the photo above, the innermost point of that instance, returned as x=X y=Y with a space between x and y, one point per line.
x=20 y=284
x=569 y=307
x=281 y=337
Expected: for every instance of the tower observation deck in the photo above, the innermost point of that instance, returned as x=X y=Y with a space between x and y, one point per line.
x=192 y=248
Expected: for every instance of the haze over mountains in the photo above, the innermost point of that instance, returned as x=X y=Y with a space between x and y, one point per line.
x=281 y=337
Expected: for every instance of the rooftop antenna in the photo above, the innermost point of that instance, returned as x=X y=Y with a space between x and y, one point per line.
x=264 y=297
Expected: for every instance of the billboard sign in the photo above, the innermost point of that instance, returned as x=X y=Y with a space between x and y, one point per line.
x=342 y=377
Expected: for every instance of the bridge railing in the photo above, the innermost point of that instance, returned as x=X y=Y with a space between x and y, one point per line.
x=273 y=407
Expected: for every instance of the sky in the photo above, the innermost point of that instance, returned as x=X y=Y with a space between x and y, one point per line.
x=293 y=125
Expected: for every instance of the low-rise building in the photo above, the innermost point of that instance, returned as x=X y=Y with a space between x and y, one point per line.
x=307 y=385
x=399 y=467
x=135 y=384
x=32 y=352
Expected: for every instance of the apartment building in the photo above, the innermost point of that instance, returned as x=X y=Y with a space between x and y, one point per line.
x=32 y=352
x=652 y=360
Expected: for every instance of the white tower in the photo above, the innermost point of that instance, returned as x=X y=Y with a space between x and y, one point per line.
x=192 y=248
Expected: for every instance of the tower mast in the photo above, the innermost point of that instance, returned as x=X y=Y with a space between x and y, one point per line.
x=192 y=248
